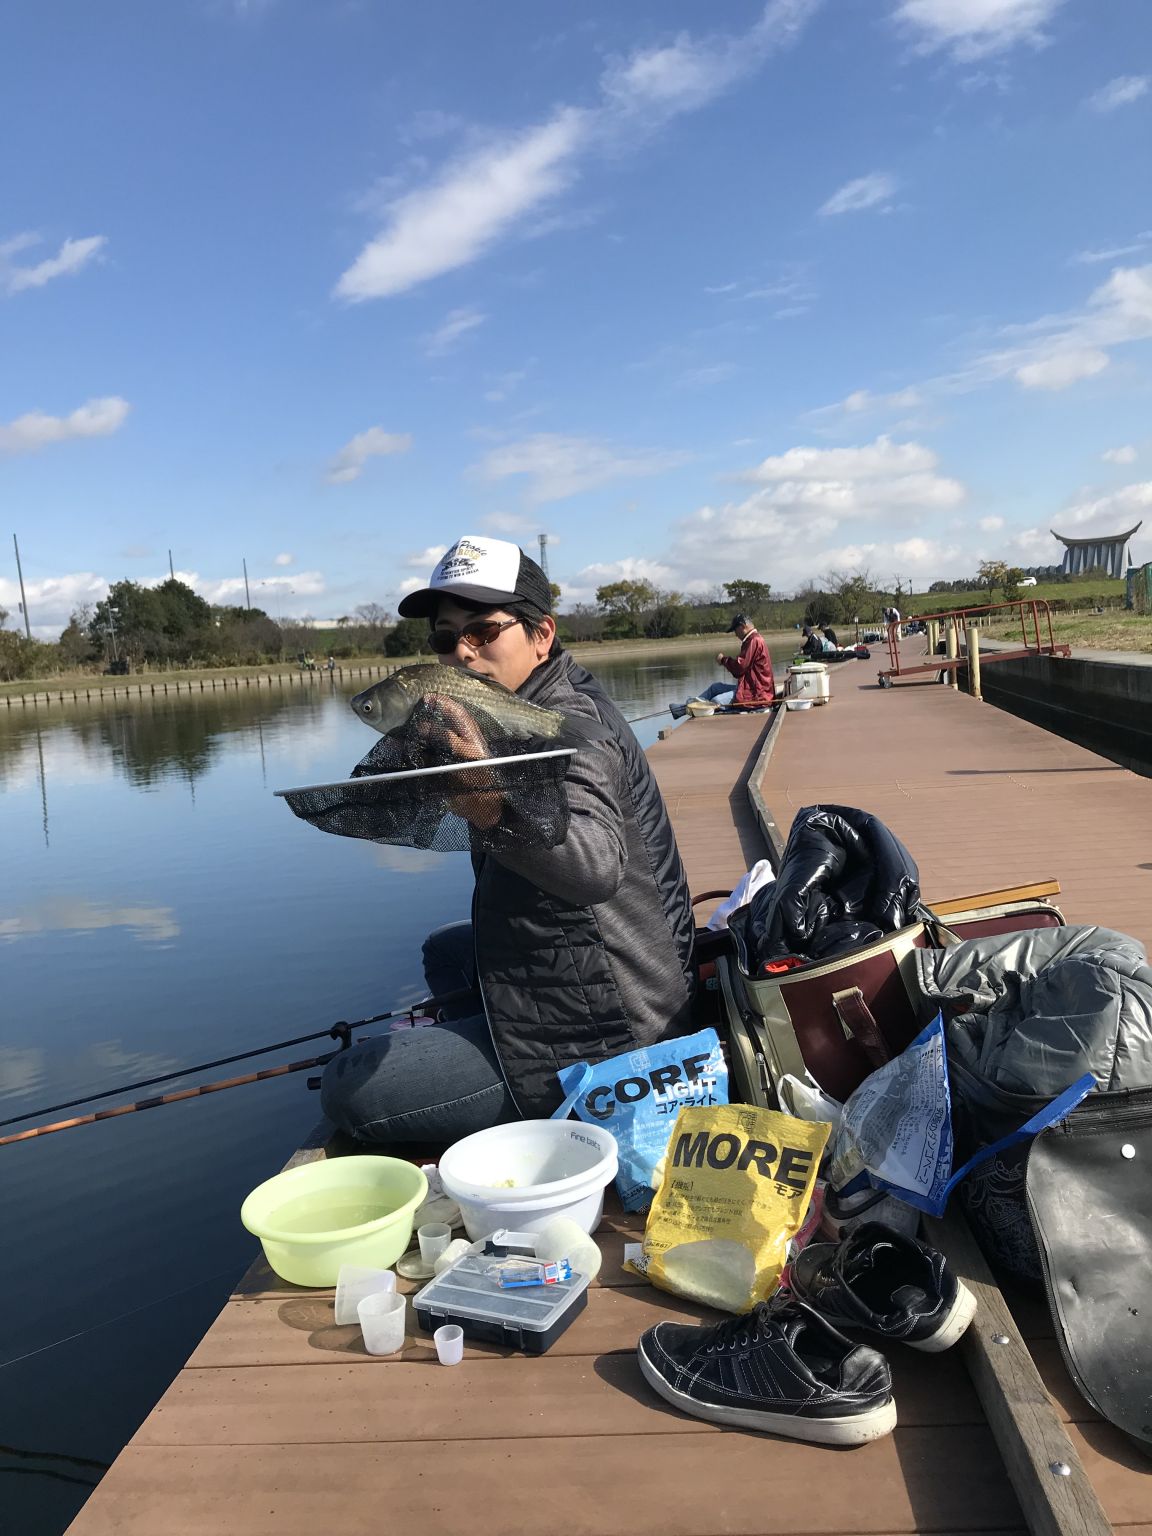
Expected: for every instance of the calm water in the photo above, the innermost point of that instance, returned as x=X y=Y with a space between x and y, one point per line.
x=160 y=908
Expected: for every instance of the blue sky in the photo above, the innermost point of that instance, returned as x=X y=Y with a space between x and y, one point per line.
x=699 y=291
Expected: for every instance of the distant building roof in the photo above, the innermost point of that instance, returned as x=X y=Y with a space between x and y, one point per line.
x=1099 y=538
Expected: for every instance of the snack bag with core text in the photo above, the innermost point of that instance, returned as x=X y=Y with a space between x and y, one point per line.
x=737 y=1184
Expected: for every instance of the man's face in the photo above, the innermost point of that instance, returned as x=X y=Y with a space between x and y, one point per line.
x=510 y=658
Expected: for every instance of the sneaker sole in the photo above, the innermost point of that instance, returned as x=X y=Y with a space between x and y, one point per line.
x=854 y=1429
x=955 y=1324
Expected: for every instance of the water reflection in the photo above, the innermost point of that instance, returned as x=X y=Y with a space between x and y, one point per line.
x=153 y=925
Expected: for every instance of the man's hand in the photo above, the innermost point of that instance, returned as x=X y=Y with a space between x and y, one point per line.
x=721 y=658
x=451 y=726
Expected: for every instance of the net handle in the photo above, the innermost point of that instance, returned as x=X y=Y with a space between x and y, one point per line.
x=420 y=773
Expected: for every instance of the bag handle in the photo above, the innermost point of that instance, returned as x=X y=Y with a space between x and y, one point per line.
x=859 y=1024
x=938 y=929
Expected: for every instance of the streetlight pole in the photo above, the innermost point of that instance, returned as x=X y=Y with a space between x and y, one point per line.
x=247 y=594
x=23 y=599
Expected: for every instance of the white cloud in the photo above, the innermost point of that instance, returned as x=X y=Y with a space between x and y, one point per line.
x=861 y=400
x=52 y=601
x=557 y=467
x=501 y=385
x=426 y=559
x=487 y=193
x=990 y=524
x=456 y=323
x=476 y=200
x=973 y=29
x=31 y=432
x=632 y=568
x=230 y=589
x=284 y=559
x=412 y=584
x=1062 y=368
x=71 y=258
x=1123 y=455
x=1053 y=351
x=511 y=524
x=1120 y=92
x=1111 y=513
x=865 y=192
x=705 y=376
x=689 y=72
x=348 y=465
x=1111 y=253
x=872 y=460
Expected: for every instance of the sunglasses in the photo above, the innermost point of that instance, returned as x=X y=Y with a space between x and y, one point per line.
x=479 y=633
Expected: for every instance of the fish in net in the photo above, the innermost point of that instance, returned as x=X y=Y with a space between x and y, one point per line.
x=462 y=765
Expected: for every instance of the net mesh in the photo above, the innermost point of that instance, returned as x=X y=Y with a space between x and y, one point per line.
x=437 y=782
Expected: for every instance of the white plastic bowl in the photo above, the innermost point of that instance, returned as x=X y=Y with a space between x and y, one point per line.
x=523 y=1175
x=338 y=1210
x=798 y=703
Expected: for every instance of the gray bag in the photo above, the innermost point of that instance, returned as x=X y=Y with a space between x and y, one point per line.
x=1089 y=1191
x=1026 y=1014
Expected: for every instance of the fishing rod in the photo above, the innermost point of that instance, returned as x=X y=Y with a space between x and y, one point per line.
x=167 y=1098
x=340 y=1031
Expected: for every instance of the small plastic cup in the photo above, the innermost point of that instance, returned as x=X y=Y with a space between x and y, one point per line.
x=383 y=1316
x=433 y=1238
x=353 y=1283
x=456 y=1249
x=449 y=1342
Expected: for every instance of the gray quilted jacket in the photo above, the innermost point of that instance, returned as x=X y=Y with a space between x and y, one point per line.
x=585 y=950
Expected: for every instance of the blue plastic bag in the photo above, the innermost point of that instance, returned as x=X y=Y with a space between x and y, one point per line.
x=896 y=1129
x=637 y=1097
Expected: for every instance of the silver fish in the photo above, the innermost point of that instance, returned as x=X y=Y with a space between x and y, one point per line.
x=496 y=709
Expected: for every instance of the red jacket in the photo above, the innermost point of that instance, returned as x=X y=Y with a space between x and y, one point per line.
x=753 y=668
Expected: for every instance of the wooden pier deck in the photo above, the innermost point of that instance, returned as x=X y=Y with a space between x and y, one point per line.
x=280 y=1424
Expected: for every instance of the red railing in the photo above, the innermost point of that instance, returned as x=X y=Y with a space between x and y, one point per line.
x=1035 y=617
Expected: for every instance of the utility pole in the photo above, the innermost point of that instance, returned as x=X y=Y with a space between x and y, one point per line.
x=23 y=599
x=171 y=572
x=543 y=542
x=247 y=595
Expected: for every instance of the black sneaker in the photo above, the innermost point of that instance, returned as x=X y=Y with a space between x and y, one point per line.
x=891 y=1285
x=782 y=1369
x=677 y=711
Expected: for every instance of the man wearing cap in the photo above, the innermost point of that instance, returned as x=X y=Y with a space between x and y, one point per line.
x=751 y=667
x=572 y=953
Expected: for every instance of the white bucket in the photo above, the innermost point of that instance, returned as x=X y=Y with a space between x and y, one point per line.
x=524 y=1175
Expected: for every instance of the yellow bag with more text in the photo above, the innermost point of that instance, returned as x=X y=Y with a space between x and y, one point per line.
x=736 y=1187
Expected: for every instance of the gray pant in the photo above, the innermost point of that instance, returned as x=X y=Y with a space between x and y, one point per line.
x=437 y=1082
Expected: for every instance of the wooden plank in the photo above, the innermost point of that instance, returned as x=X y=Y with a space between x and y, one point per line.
x=1039 y=890
x=1034 y=1444
x=727 y=1484
x=531 y=1397
x=301 y=1330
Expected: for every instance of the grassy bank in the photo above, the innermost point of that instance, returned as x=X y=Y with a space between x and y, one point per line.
x=1118 y=631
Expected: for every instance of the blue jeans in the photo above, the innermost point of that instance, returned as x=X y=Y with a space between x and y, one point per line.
x=436 y=1082
x=718 y=693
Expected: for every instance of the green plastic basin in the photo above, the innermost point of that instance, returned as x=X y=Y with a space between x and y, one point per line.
x=339 y=1210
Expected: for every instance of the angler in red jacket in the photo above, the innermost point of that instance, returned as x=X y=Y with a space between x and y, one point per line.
x=753 y=666
x=752 y=669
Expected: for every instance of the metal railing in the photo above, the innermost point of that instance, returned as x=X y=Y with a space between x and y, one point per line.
x=1036 y=637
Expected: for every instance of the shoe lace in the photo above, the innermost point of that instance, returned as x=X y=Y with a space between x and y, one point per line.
x=742 y=1331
